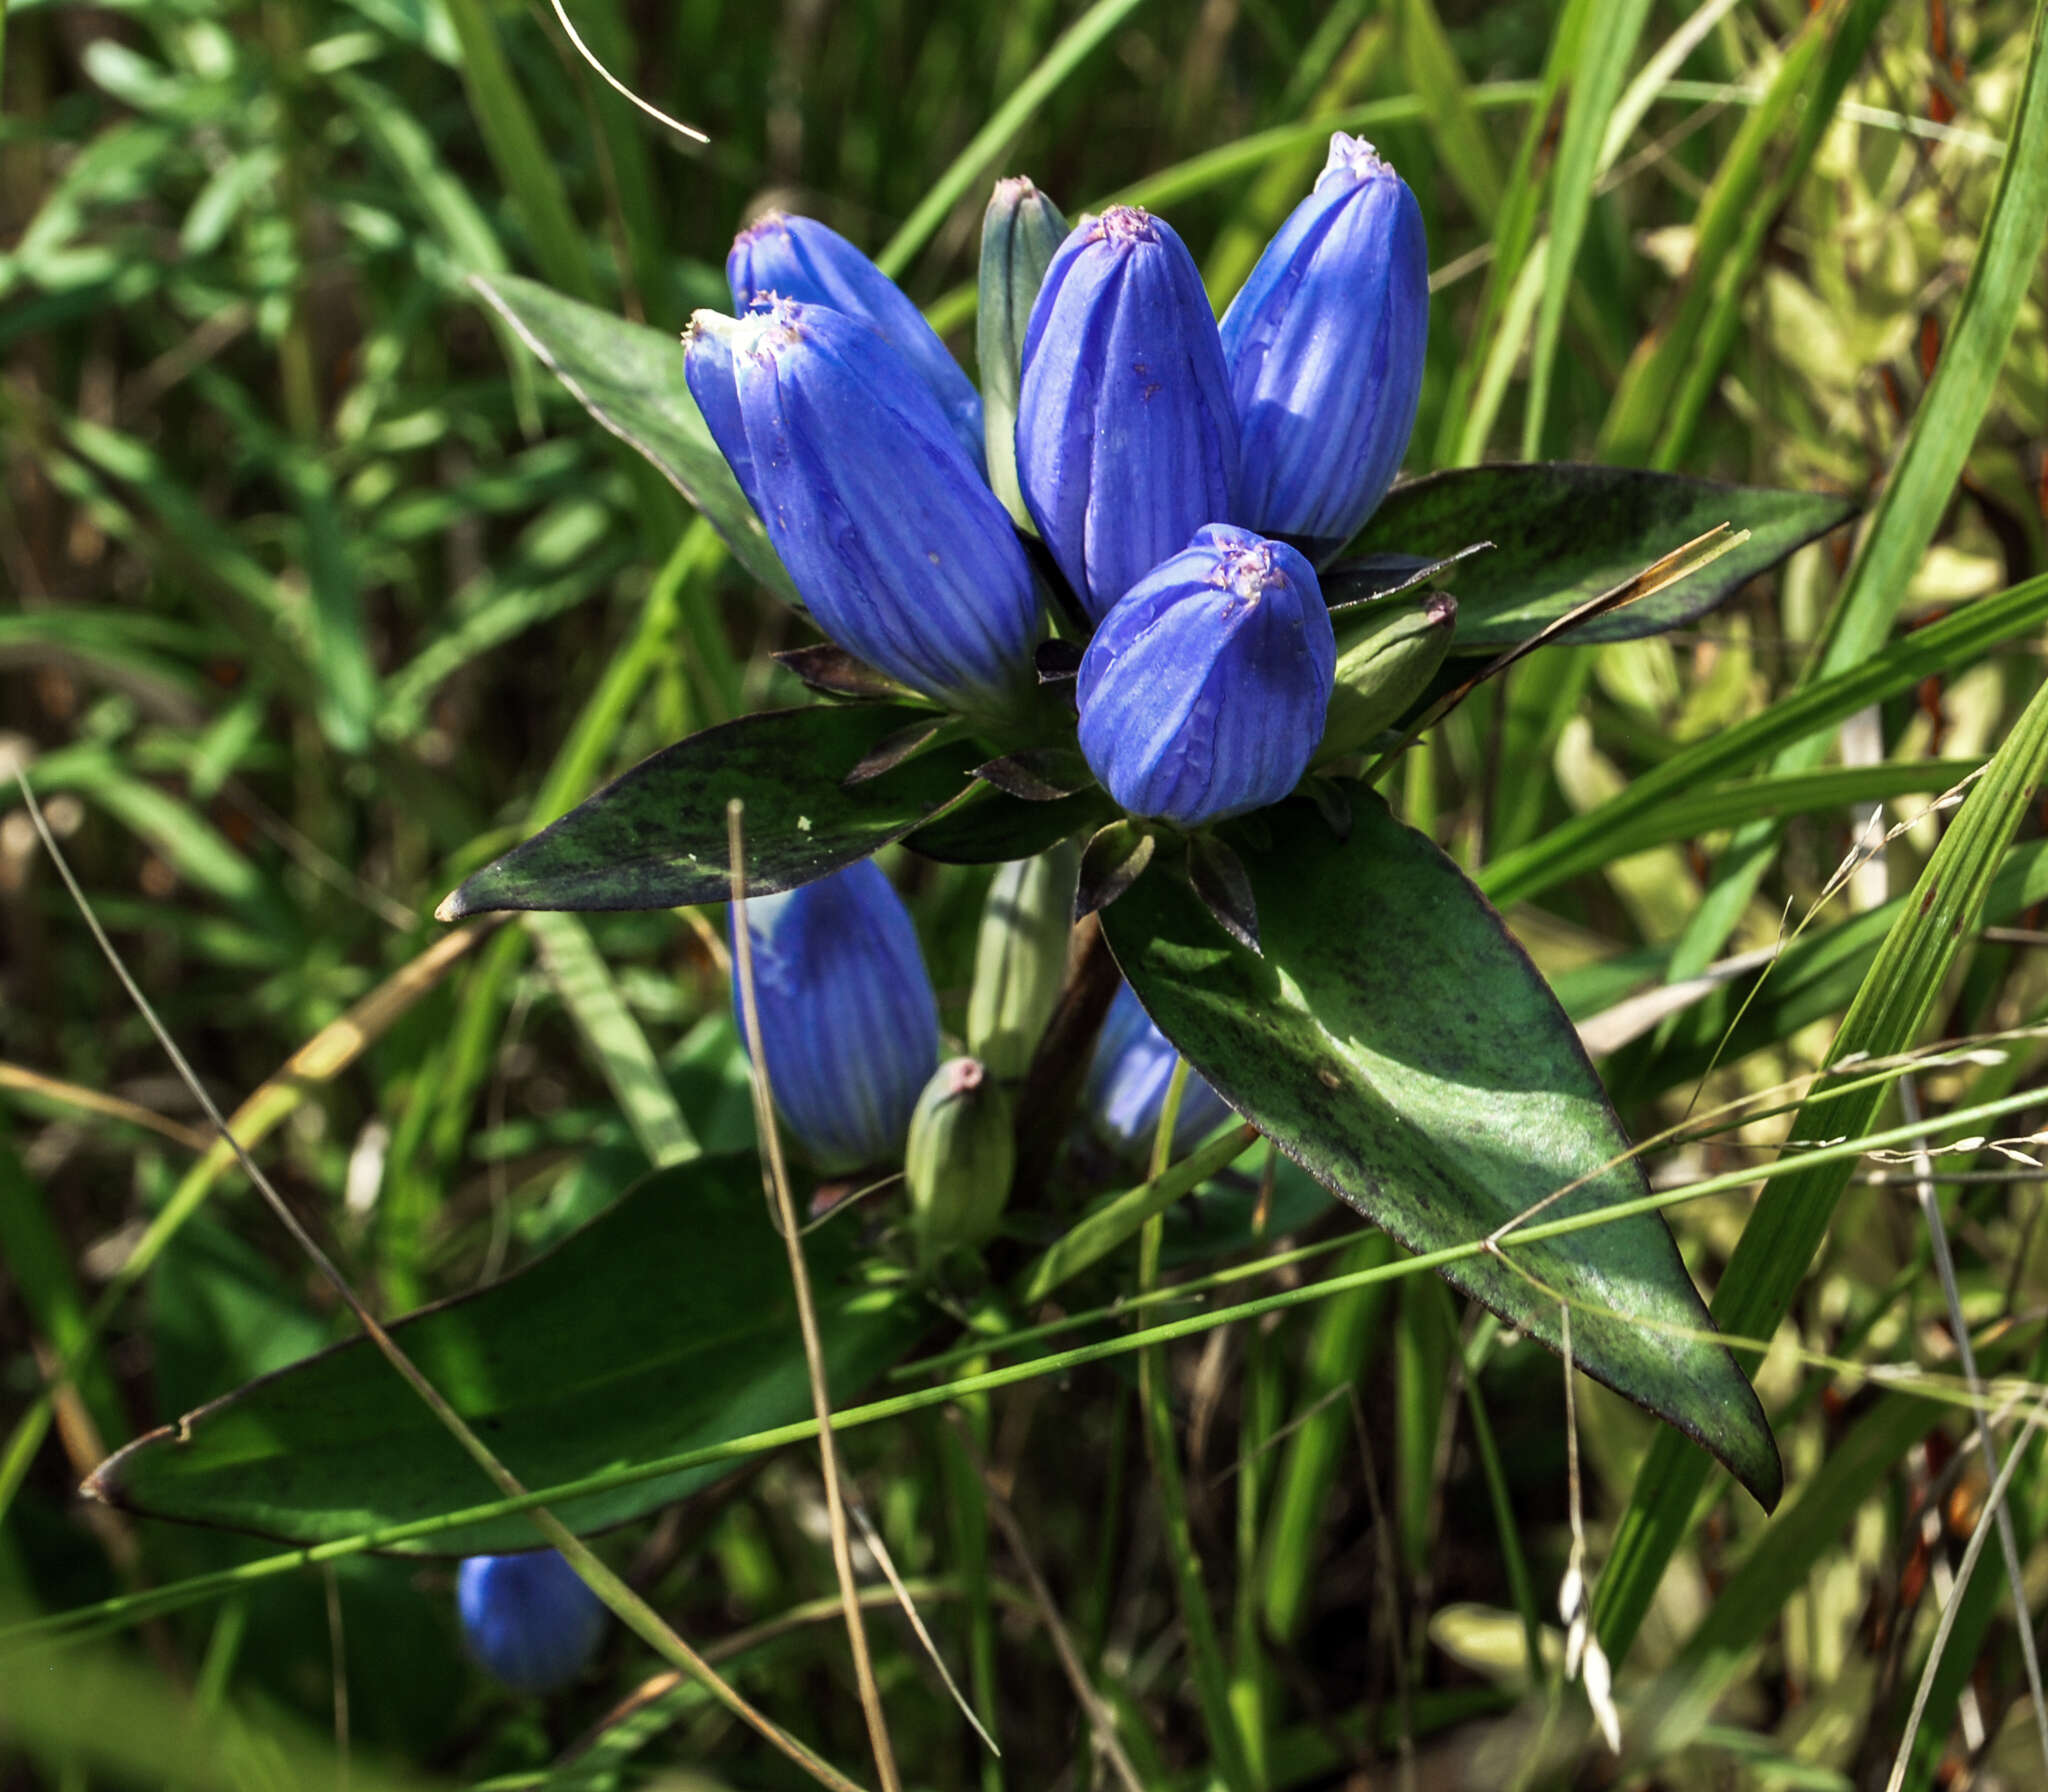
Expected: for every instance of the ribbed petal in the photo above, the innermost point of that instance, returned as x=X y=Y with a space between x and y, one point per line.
x=899 y=549
x=849 y=1024
x=1127 y=1083
x=529 y=1620
x=708 y=370
x=798 y=258
x=1204 y=692
x=1325 y=350
x=1127 y=438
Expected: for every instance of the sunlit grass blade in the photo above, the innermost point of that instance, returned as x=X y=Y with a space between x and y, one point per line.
x=1603 y=60
x=1778 y=1243
x=1922 y=481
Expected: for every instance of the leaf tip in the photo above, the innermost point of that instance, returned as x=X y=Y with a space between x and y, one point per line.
x=452 y=907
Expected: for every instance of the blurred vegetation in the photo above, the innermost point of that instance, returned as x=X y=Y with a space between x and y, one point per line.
x=323 y=592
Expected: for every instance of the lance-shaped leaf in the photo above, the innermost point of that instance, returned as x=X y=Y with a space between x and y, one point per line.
x=1563 y=533
x=630 y=378
x=1396 y=1042
x=665 y=1324
x=657 y=836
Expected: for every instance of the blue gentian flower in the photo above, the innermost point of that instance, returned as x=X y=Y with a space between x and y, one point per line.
x=888 y=530
x=779 y=256
x=1127 y=437
x=849 y=1024
x=1203 y=693
x=1127 y=1082
x=1325 y=346
x=529 y=1620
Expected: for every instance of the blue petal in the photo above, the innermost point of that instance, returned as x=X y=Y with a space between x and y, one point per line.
x=1325 y=349
x=1127 y=1083
x=1204 y=692
x=1127 y=438
x=798 y=258
x=901 y=552
x=529 y=1620
x=849 y=1024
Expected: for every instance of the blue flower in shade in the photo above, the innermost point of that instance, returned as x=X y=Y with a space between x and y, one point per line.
x=1127 y=1082
x=529 y=1620
x=849 y=1024
x=1324 y=347
x=1203 y=693
x=778 y=256
x=892 y=537
x=1127 y=438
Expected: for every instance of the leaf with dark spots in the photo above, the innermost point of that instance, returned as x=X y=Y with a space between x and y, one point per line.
x=1565 y=532
x=664 y=1325
x=656 y=837
x=1397 y=1043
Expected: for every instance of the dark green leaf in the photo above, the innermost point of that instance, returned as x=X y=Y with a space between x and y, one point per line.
x=1111 y=863
x=992 y=827
x=657 y=836
x=1397 y=1043
x=665 y=1324
x=1563 y=533
x=630 y=378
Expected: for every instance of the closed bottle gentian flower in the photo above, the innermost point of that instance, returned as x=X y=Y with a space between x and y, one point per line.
x=1127 y=437
x=1203 y=694
x=849 y=1024
x=779 y=256
x=1324 y=346
x=1127 y=1083
x=529 y=1620
x=890 y=534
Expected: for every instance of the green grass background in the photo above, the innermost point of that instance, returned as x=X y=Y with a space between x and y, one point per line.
x=320 y=593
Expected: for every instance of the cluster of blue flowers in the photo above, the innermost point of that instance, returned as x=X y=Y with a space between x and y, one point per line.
x=850 y=1033
x=1184 y=478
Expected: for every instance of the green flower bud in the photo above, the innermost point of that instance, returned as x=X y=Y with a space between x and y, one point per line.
x=957 y=1166
x=1385 y=661
x=1020 y=959
x=1019 y=232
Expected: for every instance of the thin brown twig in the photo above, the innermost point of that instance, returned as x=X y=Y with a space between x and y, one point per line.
x=775 y=1176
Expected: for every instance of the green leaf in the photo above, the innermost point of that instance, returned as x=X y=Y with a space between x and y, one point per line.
x=630 y=378
x=992 y=827
x=656 y=837
x=664 y=1324
x=1563 y=532
x=1397 y=1043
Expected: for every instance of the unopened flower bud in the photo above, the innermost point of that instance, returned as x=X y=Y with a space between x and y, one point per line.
x=529 y=1620
x=1020 y=958
x=1385 y=661
x=1204 y=691
x=785 y=257
x=1325 y=347
x=958 y=1163
x=1020 y=233
x=894 y=542
x=1127 y=1083
x=1127 y=439
x=849 y=1024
